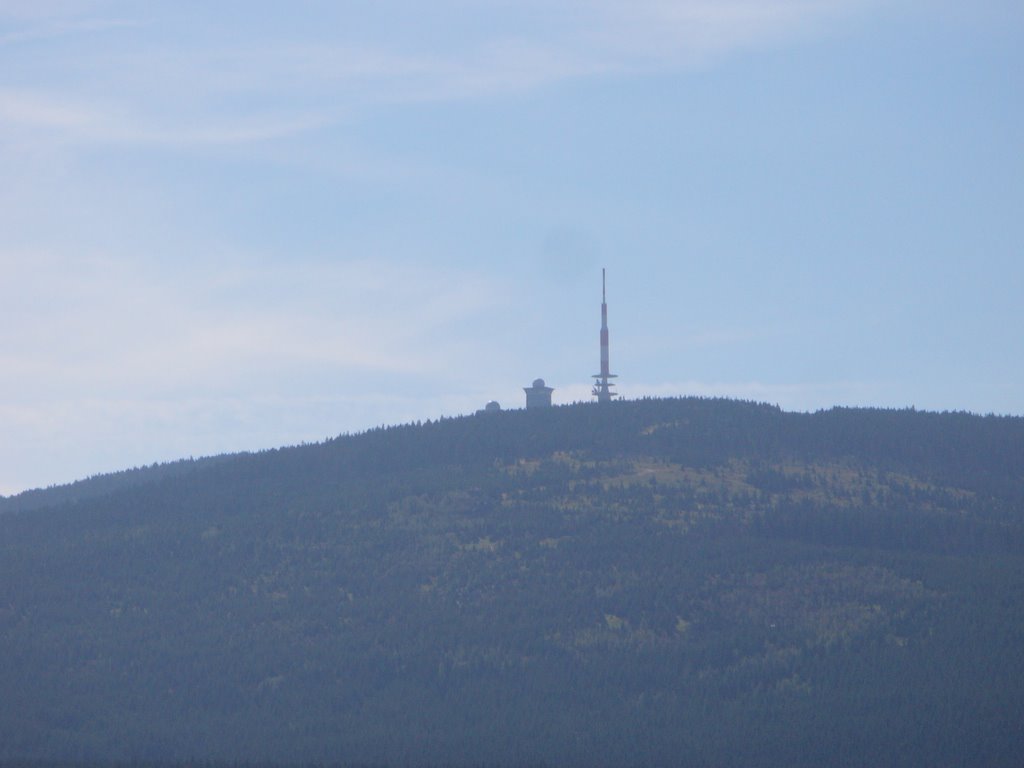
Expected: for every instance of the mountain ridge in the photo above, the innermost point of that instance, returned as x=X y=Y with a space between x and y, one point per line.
x=101 y=483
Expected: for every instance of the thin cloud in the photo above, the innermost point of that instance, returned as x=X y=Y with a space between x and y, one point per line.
x=562 y=41
x=71 y=120
x=34 y=110
x=172 y=93
x=138 y=326
x=677 y=32
x=67 y=29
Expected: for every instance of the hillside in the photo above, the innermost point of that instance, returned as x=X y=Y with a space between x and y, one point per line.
x=657 y=582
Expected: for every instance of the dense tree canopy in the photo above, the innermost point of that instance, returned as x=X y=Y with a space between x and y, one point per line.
x=692 y=581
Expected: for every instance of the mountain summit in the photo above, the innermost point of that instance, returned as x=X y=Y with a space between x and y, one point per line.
x=656 y=582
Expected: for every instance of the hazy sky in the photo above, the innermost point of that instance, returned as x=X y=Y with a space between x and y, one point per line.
x=237 y=225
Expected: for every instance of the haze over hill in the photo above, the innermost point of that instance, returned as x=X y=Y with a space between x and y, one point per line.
x=661 y=582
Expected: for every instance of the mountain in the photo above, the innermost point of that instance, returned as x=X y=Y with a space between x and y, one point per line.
x=658 y=582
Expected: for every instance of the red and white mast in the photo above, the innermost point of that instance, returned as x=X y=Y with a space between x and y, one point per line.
x=602 y=387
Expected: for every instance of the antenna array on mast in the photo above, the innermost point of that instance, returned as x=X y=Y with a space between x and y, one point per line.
x=602 y=387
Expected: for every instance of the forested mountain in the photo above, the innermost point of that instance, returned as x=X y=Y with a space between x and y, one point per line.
x=658 y=582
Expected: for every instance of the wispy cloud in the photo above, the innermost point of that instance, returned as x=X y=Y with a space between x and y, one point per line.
x=51 y=31
x=126 y=325
x=174 y=92
x=35 y=111
x=665 y=29
x=37 y=117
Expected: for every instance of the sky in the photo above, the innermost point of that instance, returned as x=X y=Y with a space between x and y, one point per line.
x=231 y=226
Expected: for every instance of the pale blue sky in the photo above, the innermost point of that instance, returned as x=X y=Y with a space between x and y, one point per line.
x=237 y=225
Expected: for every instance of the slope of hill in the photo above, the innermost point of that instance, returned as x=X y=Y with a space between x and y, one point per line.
x=697 y=582
x=101 y=485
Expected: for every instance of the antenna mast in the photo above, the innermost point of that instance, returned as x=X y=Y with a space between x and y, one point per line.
x=602 y=387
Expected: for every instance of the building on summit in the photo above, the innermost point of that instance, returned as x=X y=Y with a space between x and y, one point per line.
x=539 y=395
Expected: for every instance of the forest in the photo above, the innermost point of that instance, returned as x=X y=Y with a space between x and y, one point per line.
x=684 y=582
